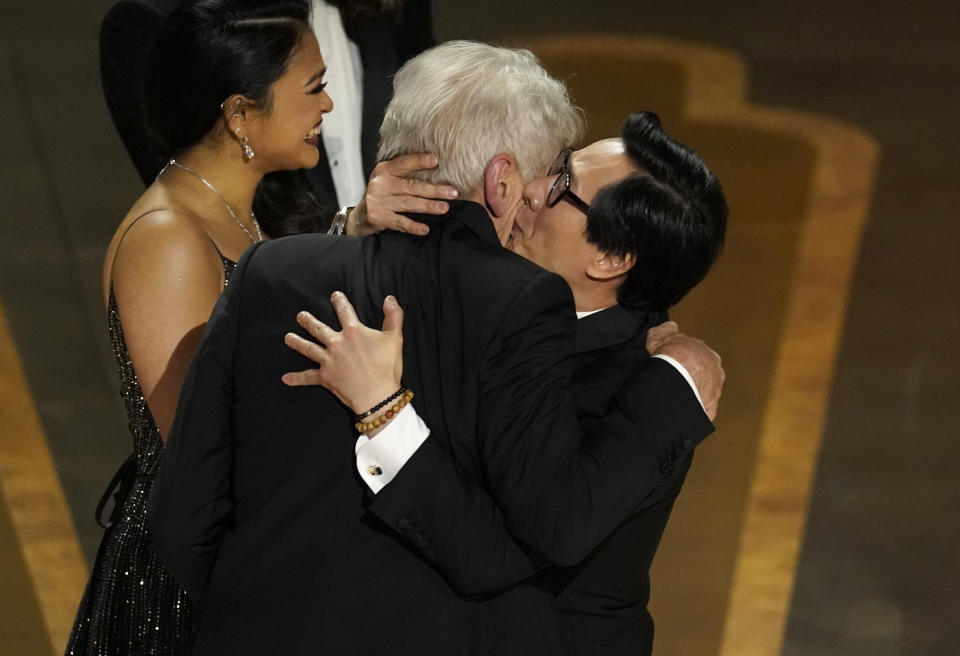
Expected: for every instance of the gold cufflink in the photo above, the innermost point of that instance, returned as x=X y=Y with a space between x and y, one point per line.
x=374 y=470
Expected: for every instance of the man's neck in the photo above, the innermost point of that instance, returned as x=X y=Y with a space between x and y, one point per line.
x=593 y=295
x=476 y=196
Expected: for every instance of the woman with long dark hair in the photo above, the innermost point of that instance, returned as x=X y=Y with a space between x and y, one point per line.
x=234 y=90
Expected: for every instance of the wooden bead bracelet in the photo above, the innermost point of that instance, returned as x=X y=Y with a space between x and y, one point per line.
x=366 y=427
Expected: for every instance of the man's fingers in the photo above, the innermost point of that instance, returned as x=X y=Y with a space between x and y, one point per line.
x=306 y=348
x=344 y=309
x=383 y=218
x=665 y=329
x=400 y=166
x=657 y=335
x=409 y=226
x=416 y=204
x=392 y=315
x=319 y=330
x=303 y=378
x=423 y=189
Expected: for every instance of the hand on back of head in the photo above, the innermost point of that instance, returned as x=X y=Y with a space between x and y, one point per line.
x=390 y=191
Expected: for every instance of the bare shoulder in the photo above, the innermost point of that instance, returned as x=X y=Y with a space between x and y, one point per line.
x=158 y=248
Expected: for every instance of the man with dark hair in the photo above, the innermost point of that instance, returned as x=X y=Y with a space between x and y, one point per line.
x=632 y=225
x=668 y=215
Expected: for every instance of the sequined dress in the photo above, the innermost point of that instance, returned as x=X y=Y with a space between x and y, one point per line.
x=132 y=605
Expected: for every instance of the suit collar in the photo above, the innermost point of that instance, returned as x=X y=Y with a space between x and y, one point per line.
x=613 y=326
x=609 y=327
x=472 y=215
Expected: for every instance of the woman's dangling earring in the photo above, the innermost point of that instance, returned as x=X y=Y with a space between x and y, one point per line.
x=247 y=150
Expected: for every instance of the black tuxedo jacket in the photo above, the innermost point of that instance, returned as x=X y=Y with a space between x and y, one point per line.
x=130 y=26
x=258 y=509
x=602 y=601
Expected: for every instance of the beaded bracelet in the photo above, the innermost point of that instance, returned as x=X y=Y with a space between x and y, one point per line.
x=382 y=404
x=366 y=427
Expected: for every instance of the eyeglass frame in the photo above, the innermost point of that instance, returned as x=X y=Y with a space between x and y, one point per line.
x=564 y=173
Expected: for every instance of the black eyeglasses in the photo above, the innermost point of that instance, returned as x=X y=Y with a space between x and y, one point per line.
x=561 y=186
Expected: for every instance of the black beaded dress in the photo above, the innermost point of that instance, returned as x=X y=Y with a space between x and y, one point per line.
x=132 y=605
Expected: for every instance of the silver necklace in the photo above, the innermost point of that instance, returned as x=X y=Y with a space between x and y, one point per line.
x=209 y=186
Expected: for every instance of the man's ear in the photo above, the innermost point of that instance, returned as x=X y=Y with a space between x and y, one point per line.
x=501 y=184
x=608 y=266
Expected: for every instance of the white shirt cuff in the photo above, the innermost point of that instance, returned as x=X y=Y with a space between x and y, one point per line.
x=686 y=376
x=381 y=458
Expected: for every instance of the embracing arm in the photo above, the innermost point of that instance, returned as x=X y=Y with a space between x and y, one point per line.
x=456 y=523
x=190 y=507
x=360 y=366
x=533 y=450
x=545 y=487
x=392 y=190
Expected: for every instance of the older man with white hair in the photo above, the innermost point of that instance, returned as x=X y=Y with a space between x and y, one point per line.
x=258 y=509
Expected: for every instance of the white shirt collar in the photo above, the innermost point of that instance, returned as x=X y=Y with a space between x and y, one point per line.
x=581 y=315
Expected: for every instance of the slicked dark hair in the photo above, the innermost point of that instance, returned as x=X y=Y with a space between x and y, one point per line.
x=208 y=50
x=671 y=216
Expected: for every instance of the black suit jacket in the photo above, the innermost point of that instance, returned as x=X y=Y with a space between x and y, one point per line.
x=602 y=601
x=130 y=26
x=258 y=509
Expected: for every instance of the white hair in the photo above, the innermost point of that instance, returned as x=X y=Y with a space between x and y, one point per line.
x=466 y=102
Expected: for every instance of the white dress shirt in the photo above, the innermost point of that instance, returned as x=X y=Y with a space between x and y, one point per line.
x=380 y=459
x=341 y=127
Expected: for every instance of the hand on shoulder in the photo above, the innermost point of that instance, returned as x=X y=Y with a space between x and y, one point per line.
x=701 y=362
